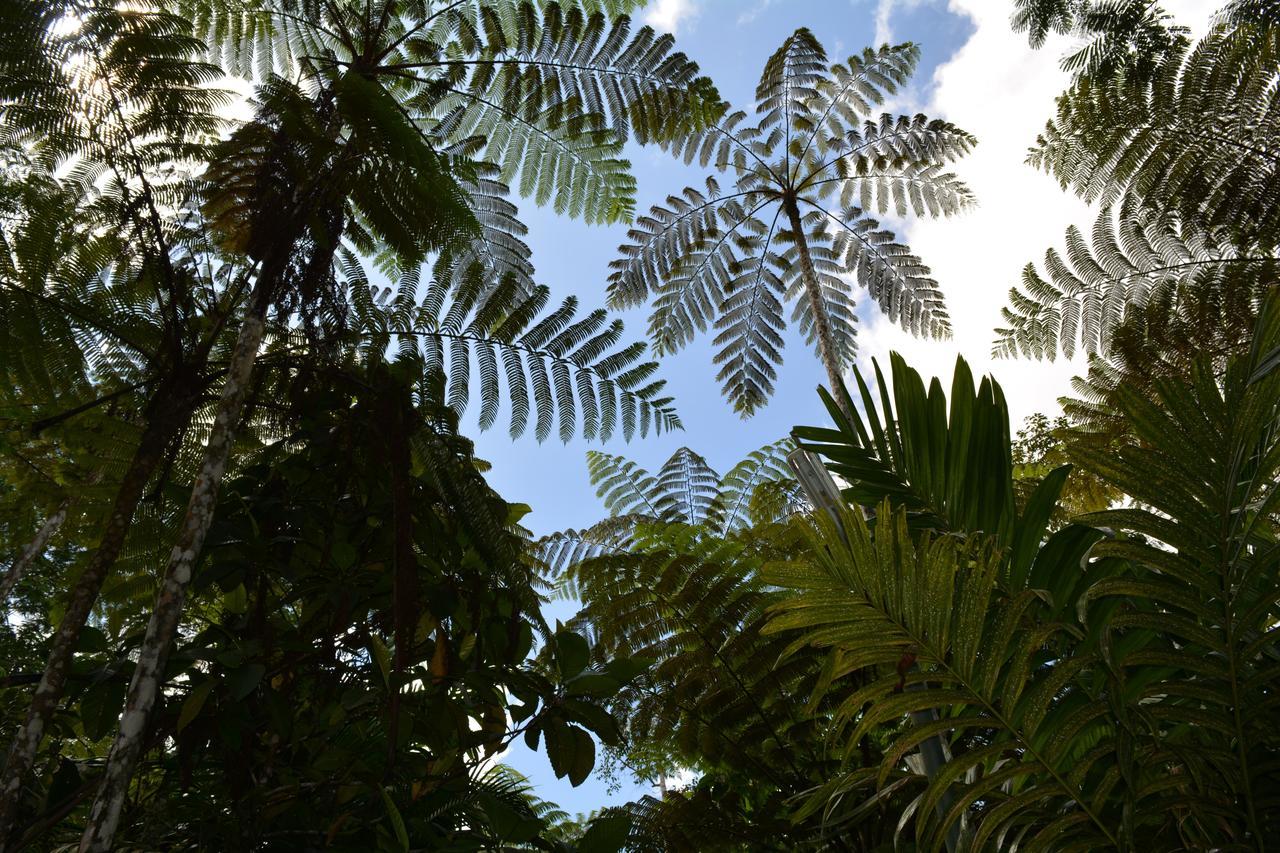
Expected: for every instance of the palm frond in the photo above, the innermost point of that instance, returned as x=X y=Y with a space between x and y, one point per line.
x=1200 y=466
x=896 y=600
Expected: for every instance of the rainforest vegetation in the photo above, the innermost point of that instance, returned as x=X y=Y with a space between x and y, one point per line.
x=262 y=262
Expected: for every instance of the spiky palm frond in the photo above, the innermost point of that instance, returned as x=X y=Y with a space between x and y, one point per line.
x=930 y=616
x=551 y=92
x=1130 y=258
x=555 y=366
x=1201 y=467
x=949 y=467
x=1130 y=661
x=797 y=223
x=1194 y=142
x=947 y=464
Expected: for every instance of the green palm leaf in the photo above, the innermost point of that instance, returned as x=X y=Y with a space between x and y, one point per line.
x=1201 y=467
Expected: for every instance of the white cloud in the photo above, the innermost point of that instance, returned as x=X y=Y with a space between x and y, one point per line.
x=884 y=32
x=669 y=15
x=884 y=18
x=1001 y=91
x=754 y=12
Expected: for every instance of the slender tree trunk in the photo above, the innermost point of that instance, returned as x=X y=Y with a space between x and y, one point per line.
x=145 y=685
x=174 y=405
x=31 y=552
x=821 y=322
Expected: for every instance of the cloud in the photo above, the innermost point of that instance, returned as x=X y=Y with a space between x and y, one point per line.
x=669 y=15
x=884 y=18
x=1000 y=90
x=754 y=12
x=884 y=32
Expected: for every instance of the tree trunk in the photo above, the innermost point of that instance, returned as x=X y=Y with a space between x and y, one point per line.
x=175 y=404
x=821 y=322
x=33 y=550
x=145 y=685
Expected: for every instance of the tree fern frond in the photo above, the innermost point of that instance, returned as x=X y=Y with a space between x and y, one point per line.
x=1125 y=36
x=896 y=279
x=547 y=92
x=1082 y=297
x=1190 y=142
x=738 y=487
x=719 y=257
x=553 y=364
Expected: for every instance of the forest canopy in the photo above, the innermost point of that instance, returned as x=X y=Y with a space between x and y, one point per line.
x=266 y=277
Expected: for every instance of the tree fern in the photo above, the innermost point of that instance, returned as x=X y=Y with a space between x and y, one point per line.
x=716 y=698
x=1206 y=318
x=1130 y=36
x=1195 y=141
x=686 y=491
x=797 y=221
x=553 y=365
x=1129 y=258
x=549 y=92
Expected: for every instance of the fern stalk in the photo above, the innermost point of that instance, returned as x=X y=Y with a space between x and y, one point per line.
x=825 y=338
x=173 y=411
x=145 y=685
x=34 y=549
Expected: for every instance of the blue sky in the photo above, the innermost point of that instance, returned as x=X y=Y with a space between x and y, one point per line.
x=974 y=72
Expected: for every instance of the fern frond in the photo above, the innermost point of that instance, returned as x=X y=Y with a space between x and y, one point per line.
x=720 y=257
x=553 y=365
x=1121 y=36
x=739 y=486
x=1081 y=298
x=547 y=92
x=1190 y=142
